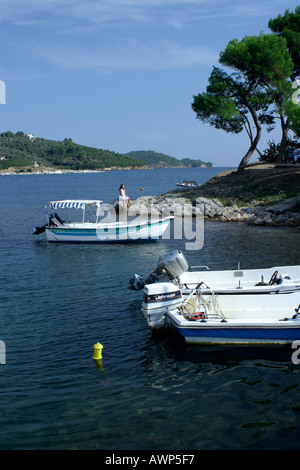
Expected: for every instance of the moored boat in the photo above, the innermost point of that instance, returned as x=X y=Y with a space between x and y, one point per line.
x=173 y=281
x=261 y=325
x=174 y=267
x=96 y=227
x=188 y=184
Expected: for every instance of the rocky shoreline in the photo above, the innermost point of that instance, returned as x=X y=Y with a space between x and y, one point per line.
x=48 y=172
x=282 y=214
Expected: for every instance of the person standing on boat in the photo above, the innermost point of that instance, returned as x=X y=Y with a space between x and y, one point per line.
x=122 y=196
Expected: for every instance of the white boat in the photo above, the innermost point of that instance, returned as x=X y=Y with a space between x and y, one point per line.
x=173 y=280
x=188 y=184
x=174 y=267
x=91 y=228
x=202 y=321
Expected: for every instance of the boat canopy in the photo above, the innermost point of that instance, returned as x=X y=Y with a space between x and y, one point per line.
x=77 y=204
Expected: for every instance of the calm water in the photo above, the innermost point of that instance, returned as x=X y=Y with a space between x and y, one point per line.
x=152 y=392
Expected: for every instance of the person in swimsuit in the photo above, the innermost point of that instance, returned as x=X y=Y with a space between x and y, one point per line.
x=123 y=197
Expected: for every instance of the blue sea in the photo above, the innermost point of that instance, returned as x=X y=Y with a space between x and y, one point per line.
x=151 y=392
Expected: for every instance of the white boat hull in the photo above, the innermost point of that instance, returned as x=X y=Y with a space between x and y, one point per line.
x=258 y=290
x=243 y=281
x=236 y=304
x=243 y=331
x=99 y=233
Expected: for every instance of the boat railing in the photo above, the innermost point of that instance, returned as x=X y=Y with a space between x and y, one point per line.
x=199 y=267
x=196 y=307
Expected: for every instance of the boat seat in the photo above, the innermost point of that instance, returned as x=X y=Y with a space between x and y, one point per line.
x=55 y=220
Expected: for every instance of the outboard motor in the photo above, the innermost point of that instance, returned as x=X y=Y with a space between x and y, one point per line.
x=38 y=230
x=158 y=300
x=172 y=265
x=54 y=219
x=175 y=264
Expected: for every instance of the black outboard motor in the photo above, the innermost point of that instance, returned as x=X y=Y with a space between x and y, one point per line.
x=138 y=282
x=54 y=219
x=37 y=230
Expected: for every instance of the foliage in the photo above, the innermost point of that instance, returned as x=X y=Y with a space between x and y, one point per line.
x=293 y=113
x=288 y=26
x=218 y=106
x=18 y=151
x=262 y=64
x=271 y=153
x=261 y=59
x=294 y=116
x=156 y=159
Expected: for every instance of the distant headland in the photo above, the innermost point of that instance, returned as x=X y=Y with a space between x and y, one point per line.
x=26 y=153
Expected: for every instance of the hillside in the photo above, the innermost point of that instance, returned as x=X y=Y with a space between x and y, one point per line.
x=24 y=152
x=21 y=152
x=258 y=185
x=159 y=160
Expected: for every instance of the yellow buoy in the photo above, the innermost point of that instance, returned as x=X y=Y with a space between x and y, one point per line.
x=97 y=351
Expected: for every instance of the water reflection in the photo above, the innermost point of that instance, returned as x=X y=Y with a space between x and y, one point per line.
x=165 y=350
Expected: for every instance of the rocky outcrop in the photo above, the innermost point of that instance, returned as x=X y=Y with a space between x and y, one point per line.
x=283 y=214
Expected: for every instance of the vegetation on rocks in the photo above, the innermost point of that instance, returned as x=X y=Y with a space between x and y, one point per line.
x=260 y=195
x=161 y=160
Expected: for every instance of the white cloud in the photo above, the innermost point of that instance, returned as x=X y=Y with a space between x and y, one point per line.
x=172 y=12
x=89 y=37
x=129 y=54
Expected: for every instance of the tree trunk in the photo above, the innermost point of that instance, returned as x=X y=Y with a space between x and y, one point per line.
x=248 y=155
x=256 y=139
x=252 y=147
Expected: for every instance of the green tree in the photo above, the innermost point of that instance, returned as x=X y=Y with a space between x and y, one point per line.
x=230 y=105
x=288 y=26
x=293 y=112
x=264 y=61
x=242 y=99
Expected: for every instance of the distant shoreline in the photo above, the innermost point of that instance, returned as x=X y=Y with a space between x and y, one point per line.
x=55 y=172
x=104 y=170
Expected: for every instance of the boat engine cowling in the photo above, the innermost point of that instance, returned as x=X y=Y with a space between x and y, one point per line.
x=172 y=264
x=162 y=294
x=158 y=299
x=175 y=263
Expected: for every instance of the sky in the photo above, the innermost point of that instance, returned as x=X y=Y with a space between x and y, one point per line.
x=121 y=74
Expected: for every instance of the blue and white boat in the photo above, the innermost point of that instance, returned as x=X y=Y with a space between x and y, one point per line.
x=98 y=223
x=277 y=329
x=270 y=318
x=238 y=306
